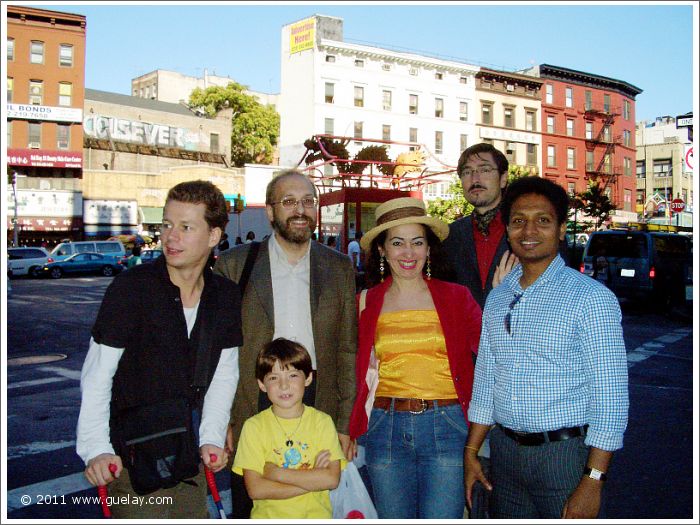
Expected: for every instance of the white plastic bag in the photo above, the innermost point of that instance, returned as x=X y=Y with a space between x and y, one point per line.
x=351 y=499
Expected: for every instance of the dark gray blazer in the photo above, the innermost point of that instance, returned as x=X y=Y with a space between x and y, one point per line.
x=461 y=255
x=334 y=323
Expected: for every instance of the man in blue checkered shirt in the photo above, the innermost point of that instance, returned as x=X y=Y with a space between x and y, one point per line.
x=551 y=373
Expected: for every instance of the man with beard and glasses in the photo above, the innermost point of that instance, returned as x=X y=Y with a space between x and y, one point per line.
x=299 y=290
x=477 y=247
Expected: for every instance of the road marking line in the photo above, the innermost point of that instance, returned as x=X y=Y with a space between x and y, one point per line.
x=63 y=372
x=35 y=382
x=37 y=447
x=55 y=487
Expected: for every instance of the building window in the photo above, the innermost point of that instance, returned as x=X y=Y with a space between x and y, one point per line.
x=413 y=137
x=486 y=115
x=65 y=55
x=606 y=103
x=628 y=200
x=330 y=58
x=589 y=130
x=607 y=163
x=10 y=88
x=627 y=163
x=532 y=154
x=462 y=80
x=550 y=124
x=386 y=132
x=413 y=71
x=386 y=100
x=438 y=75
x=438 y=142
x=570 y=127
x=549 y=94
x=463 y=111
x=570 y=159
x=330 y=90
x=606 y=133
x=462 y=142
x=36 y=92
x=589 y=161
x=9 y=133
x=358 y=131
x=551 y=156
x=36 y=53
x=359 y=97
x=510 y=152
x=10 y=49
x=627 y=137
x=328 y=126
x=65 y=93
x=359 y=62
x=569 y=97
x=386 y=67
x=413 y=104
x=508 y=120
x=626 y=110
x=439 y=107
x=571 y=188
x=641 y=170
x=663 y=168
x=214 y=142
x=62 y=136
x=589 y=100
x=34 y=135
x=530 y=121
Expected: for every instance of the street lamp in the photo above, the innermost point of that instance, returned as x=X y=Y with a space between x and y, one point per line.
x=15 y=222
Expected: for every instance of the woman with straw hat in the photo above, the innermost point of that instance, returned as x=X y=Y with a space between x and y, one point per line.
x=418 y=336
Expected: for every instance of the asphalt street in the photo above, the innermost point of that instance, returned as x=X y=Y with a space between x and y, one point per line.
x=650 y=478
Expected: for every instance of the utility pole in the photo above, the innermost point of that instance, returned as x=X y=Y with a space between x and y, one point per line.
x=15 y=222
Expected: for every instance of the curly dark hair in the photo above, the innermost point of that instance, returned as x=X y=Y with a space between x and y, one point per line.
x=439 y=267
x=552 y=191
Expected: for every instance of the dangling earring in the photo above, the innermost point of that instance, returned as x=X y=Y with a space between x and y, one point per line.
x=381 y=268
x=427 y=268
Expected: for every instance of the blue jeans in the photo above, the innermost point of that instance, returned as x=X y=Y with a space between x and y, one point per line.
x=415 y=462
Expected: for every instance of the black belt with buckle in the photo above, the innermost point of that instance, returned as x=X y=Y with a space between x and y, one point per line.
x=531 y=439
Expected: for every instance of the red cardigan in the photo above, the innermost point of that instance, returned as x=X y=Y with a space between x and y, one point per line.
x=460 y=318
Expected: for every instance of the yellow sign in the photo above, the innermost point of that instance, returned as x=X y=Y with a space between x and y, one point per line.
x=302 y=35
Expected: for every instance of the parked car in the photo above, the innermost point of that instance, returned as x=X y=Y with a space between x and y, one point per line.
x=66 y=249
x=27 y=260
x=148 y=256
x=640 y=264
x=80 y=263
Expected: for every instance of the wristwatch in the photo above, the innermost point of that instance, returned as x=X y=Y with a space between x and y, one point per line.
x=596 y=474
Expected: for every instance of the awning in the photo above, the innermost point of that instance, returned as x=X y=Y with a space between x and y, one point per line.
x=151 y=215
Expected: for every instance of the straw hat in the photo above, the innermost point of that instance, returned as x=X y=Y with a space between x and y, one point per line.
x=404 y=210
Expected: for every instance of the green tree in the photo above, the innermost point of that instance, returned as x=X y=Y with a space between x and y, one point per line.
x=594 y=203
x=255 y=127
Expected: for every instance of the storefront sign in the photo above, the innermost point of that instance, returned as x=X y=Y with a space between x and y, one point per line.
x=110 y=212
x=35 y=112
x=46 y=203
x=302 y=35
x=124 y=130
x=45 y=158
x=46 y=224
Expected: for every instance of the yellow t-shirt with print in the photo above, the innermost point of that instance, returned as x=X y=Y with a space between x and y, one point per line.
x=288 y=443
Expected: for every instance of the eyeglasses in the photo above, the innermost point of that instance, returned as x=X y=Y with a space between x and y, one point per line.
x=481 y=170
x=291 y=204
x=506 y=319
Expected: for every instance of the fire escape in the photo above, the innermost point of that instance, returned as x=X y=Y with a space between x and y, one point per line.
x=603 y=143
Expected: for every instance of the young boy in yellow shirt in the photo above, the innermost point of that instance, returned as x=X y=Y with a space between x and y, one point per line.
x=289 y=455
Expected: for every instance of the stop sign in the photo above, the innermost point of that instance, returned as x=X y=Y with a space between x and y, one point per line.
x=677 y=205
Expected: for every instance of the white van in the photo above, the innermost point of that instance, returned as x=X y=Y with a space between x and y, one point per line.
x=66 y=249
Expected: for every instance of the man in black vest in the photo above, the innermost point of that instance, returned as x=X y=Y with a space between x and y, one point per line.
x=166 y=337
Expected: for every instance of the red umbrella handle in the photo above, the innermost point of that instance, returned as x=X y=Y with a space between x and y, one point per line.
x=211 y=482
x=102 y=493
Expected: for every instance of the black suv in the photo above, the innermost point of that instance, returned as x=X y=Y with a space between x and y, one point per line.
x=640 y=264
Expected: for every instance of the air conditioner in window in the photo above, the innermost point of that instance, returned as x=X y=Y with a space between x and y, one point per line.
x=62 y=144
x=35 y=145
x=510 y=87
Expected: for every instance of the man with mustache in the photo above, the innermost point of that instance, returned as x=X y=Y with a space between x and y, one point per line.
x=477 y=248
x=299 y=290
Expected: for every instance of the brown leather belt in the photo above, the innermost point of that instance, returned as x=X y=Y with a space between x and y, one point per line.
x=415 y=406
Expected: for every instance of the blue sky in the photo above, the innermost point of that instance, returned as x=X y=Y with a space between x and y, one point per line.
x=646 y=45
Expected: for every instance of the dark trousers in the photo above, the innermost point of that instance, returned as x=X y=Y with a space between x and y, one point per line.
x=240 y=501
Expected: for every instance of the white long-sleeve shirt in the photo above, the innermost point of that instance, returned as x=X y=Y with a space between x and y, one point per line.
x=96 y=390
